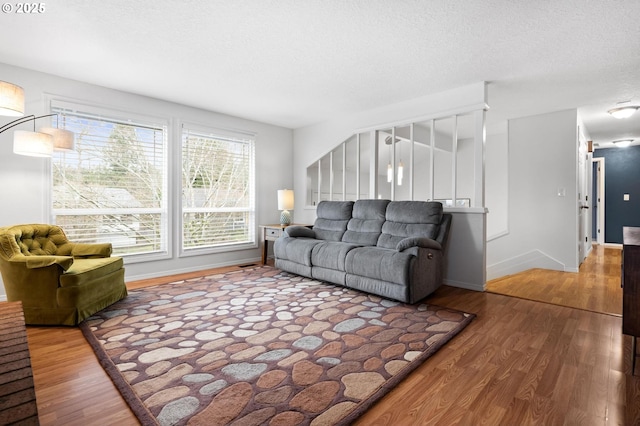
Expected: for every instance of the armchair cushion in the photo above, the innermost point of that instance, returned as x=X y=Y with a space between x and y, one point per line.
x=90 y=269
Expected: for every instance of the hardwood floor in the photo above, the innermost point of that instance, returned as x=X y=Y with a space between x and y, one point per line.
x=595 y=288
x=519 y=362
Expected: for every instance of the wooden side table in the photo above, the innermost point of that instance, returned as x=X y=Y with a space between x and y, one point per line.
x=272 y=233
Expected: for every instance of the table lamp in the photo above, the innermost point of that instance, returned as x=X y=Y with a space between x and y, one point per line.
x=285 y=203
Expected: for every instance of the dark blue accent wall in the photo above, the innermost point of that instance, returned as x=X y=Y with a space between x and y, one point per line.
x=621 y=176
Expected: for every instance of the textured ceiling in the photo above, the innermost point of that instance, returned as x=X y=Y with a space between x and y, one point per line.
x=295 y=63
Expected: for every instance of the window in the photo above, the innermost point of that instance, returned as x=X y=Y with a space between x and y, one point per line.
x=112 y=187
x=218 y=207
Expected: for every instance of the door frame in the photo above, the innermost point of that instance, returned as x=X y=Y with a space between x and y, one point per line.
x=584 y=169
x=599 y=183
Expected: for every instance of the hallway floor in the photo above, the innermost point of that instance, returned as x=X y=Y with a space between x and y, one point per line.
x=595 y=288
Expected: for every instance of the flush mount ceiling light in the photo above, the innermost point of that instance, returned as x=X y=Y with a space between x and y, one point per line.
x=624 y=111
x=622 y=143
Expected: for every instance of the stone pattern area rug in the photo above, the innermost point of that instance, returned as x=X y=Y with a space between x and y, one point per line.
x=262 y=347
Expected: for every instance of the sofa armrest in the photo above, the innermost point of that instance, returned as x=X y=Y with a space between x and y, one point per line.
x=35 y=262
x=421 y=242
x=299 y=231
x=82 y=250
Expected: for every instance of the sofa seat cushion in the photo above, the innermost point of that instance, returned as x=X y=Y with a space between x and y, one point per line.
x=296 y=250
x=380 y=264
x=331 y=254
x=83 y=271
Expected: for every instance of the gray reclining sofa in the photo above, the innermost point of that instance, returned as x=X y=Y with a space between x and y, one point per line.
x=394 y=249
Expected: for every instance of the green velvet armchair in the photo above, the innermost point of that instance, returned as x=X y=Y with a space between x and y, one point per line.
x=57 y=281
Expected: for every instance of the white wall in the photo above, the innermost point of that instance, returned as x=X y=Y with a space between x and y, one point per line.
x=312 y=142
x=543 y=226
x=24 y=181
x=497 y=185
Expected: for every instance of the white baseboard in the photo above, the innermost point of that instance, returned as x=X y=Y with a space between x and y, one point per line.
x=613 y=245
x=530 y=260
x=466 y=286
x=139 y=277
x=257 y=260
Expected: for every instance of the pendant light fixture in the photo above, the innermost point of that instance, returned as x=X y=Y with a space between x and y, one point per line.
x=388 y=141
x=389 y=166
x=400 y=166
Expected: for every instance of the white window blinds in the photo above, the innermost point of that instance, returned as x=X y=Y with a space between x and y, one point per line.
x=218 y=207
x=112 y=187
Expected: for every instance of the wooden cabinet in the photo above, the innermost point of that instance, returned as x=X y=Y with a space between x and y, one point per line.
x=631 y=286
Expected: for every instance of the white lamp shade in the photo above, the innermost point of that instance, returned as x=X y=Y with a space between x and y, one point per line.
x=63 y=140
x=11 y=100
x=32 y=144
x=285 y=199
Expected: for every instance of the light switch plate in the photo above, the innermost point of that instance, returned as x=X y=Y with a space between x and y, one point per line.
x=626 y=197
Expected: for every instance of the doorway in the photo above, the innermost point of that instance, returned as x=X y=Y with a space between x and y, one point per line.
x=584 y=181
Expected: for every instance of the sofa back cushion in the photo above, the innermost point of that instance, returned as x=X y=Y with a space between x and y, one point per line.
x=365 y=225
x=410 y=219
x=332 y=219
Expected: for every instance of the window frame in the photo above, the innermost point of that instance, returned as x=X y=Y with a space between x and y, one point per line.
x=116 y=114
x=213 y=131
